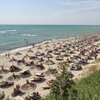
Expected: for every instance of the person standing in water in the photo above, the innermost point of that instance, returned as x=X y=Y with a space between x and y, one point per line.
x=26 y=41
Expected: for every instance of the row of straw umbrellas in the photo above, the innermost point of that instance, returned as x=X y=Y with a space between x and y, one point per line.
x=77 y=52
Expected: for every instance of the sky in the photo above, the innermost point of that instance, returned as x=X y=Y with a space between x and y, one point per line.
x=58 y=12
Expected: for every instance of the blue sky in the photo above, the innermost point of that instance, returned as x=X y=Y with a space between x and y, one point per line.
x=50 y=12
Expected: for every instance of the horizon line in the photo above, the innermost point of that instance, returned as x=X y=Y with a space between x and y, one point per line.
x=51 y=24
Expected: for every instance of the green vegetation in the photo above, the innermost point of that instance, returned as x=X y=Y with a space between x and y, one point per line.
x=89 y=87
x=63 y=87
x=97 y=60
x=85 y=89
x=2 y=96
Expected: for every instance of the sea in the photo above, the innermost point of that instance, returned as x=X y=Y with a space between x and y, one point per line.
x=16 y=36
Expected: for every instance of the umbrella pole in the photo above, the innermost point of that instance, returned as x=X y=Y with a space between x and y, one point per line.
x=28 y=93
x=2 y=78
x=49 y=68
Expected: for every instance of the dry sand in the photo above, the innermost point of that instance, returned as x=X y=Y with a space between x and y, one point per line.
x=5 y=62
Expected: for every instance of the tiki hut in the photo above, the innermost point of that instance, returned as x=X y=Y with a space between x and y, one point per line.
x=49 y=62
x=48 y=56
x=38 y=79
x=21 y=61
x=33 y=57
x=14 y=78
x=47 y=46
x=13 y=68
x=18 y=53
x=66 y=54
x=39 y=53
x=5 y=84
x=31 y=63
x=56 y=52
x=25 y=74
x=30 y=50
x=39 y=47
x=4 y=71
x=40 y=74
x=63 y=50
x=28 y=86
x=40 y=59
x=59 y=58
x=48 y=50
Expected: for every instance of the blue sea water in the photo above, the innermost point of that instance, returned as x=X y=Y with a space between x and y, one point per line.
x=14 y=36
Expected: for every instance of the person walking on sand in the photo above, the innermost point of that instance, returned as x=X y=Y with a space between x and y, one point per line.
x=8 y=55
x=33 y=45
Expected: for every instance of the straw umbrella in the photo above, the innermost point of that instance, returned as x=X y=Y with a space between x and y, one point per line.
x=39 y=53
x=48 y=55
x=28 y=86
x=66 y=54
x=14 y=78
x=39 y=47
x=47 y=46
x=49 y=62
x=59 y=57
x=56 y=52
x=4 y=71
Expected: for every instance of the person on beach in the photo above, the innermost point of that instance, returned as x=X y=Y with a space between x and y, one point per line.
x=26 y=41
x=8 y=55
x=33 y=45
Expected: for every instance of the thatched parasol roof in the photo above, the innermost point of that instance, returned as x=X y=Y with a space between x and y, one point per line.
x=48 y=55
x=63 y=50
x=66 y=54
x=39 y=47
x=49 y=62
x=47 y=46
x=38 y=53
x=56 y=52
x=28 y=86
x=4 y=71
x=3 y=83
x=59 y=58
x=14 y=77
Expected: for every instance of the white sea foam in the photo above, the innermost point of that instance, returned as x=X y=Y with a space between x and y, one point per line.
x=16 y=50
x=2 y=31
x=23 y=48
x=28 y=35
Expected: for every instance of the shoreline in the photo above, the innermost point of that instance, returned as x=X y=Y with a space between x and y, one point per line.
x=30 y=45
x=16 y=49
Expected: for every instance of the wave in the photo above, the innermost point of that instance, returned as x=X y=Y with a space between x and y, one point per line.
x=28 y=35
x=8 y=31
x=2 y=31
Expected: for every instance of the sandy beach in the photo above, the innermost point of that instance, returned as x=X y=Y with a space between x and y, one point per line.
x=30 y=67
